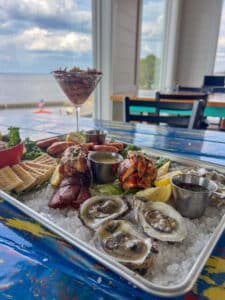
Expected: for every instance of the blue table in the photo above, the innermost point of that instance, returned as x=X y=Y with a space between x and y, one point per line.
x=36 y=264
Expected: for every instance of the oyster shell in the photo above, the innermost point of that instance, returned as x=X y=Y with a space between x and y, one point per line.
x=120 y=240
x=98 y=209
x=160 y=221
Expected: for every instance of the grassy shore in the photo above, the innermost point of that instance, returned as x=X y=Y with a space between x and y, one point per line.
x=86 y=109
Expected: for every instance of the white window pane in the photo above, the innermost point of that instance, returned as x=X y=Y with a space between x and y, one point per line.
x=219 y=67
x=151 y=44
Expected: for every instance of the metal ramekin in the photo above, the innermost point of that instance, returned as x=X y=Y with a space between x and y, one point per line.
x=189 y=203
x=104 y=172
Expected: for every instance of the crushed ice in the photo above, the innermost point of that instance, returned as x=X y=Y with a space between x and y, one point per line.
x=173 y=261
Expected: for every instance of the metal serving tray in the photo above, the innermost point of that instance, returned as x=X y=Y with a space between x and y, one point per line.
x=171 y=291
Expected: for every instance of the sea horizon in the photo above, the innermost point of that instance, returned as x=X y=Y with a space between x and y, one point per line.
x=29 y=88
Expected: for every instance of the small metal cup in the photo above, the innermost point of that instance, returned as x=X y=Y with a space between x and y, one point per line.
x=189 y=203
x=95 y=136
x=104 y=172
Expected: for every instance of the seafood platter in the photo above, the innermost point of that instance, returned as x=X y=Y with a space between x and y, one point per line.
x=153 y=218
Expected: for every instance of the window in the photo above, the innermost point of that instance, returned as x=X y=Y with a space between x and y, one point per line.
x=152 y=32
x=219 y=67
x=37 y=37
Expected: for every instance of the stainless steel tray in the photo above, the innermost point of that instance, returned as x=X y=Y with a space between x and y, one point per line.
x=131 y=276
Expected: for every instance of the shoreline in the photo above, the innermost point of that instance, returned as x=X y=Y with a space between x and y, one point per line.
x=33 y=104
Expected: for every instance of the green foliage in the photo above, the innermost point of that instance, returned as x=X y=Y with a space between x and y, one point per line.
x=106 y=189
x=32 y=150
x=129 y=147
x=149 y=72
x=13 y=136
x=161 y=161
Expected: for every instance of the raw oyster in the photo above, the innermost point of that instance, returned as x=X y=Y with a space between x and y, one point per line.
x=160 y=221
x=120 y=240
x=98 y=209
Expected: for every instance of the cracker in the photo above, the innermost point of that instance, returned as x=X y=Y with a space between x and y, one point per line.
x=38 y=175
x=25 y=176
x=8 y=179
x=38 y=166
x=32 y=169
x=46 y=159
x=45 y=171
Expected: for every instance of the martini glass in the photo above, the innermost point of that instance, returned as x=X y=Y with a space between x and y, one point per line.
x=77 y=85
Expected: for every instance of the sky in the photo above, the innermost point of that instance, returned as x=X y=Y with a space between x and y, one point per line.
x=152 y=27
x=38 y=36
x=220 y=55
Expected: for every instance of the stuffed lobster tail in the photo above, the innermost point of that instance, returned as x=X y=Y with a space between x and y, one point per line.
x=137 y=171
x=76 y=174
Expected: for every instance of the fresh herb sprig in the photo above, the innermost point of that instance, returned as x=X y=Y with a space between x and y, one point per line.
x=130 y=147
x=161 y=161
x=32 y=150
x=13 y=136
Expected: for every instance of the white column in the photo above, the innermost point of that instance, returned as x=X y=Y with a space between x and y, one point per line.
x=170 y=43
x=102 y=51
x=200 y=24
x=116 y=27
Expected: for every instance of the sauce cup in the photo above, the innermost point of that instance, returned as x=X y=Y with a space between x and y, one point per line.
x=192 y=194
x=95 y=136
x=104 y=165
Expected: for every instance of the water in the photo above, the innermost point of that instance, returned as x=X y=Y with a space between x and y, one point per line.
x=26 y=88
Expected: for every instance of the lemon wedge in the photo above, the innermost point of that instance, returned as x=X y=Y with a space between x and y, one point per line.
x=166 y=179
x=56 y=177
x=163 y=170
x=75 y=137
x=161 y=193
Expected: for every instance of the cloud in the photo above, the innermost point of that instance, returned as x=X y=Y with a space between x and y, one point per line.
x=220 y=54
x=152 y=27
x=36 y=39
x=221 y=42
x=152 y=9
x=221 y=39
x=153 y=30
x=57 y=14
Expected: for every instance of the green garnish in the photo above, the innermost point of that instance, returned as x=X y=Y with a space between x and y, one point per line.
x=106 y=189
x=131 y=191
x=32 y=150
x=160 y=161
x=130 y=147
x=13 y=136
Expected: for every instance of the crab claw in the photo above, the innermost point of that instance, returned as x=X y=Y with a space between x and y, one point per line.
x=137 y=171
x=130 y=182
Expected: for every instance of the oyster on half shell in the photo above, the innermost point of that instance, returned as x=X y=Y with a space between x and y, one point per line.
x=98 y=209
x=120 y=240
x=160 y=221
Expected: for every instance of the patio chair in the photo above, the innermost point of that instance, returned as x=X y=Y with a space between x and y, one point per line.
x=204 y=122
x=218 y=90
x=189 y=89
x=165 y=110
x=210 y=82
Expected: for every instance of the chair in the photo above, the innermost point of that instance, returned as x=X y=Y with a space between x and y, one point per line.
x=189 y=89
x=211 y=82
x=165 y=110
x=204 y=122
x=218 y=90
